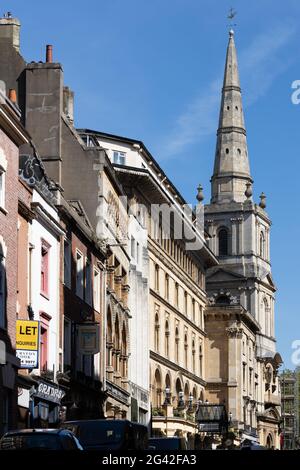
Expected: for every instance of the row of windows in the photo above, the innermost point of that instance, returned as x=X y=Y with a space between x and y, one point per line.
x=223 y=243
x=87 y=285
x=84 y=362
x=194 y=312
x=248 y=381
x=175 y=250
x=190 y=357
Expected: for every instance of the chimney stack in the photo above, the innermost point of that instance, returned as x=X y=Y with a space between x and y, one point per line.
x=49 y=53
x=10 y=30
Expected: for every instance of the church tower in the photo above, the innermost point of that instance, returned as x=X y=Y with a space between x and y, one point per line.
x=240 y=317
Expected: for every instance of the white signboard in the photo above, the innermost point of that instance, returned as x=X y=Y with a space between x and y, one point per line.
x=29 y=359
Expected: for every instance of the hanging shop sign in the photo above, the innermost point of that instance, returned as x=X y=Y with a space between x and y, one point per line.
x=27 y=343
x=88 y=338
x=49 y=392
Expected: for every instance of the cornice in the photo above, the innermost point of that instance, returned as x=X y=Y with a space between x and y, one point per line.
x=177 y=312
x=171 y=365
x=153 y=248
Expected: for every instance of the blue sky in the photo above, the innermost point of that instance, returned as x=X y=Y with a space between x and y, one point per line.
x=152 y=70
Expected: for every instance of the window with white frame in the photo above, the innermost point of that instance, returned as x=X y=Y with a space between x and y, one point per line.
x=79 y=274
x=88 y=282
x=67 y=263
x=96 y=289
x=119 y=157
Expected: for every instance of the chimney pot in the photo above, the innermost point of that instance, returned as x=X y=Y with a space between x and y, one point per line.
x=49 y=53
x=12 y=95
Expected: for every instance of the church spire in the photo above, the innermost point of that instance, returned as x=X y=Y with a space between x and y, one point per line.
x=231 y=169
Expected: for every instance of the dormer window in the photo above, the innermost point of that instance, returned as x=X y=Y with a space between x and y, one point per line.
x=119 y=157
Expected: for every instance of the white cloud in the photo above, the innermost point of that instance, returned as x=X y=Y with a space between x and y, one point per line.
x=259 y=65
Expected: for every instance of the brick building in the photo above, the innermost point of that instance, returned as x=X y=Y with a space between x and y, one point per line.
x=12 y=135
x=81 y=303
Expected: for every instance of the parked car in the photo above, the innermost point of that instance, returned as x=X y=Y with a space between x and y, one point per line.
x=104 y=434
x=40 y=439
x=249 y=445
x=167 y=443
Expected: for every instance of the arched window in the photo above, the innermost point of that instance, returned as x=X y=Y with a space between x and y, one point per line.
x=179 y=392
x=156 y=333
x=223 y=242
x=262 y=244
x=167 y=335
x=109 y=339
x=124 y=356
x=177 y=345
x=117 y=346
x=267 y=318
x=167 y=286
x=157 y=389
x=176 y=295
x=156 y=278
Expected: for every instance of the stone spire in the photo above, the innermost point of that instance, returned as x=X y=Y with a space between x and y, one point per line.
x=231 y=169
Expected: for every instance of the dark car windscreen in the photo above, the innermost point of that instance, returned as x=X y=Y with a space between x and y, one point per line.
x=31 y=441
x=95 y=434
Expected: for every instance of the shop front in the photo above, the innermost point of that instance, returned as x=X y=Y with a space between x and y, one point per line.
x=45 y=404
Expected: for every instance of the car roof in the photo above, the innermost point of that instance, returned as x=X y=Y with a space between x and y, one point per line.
x=35 y=431
x=166 y=438
x=83 y=421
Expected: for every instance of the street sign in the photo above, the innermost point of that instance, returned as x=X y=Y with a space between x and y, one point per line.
x=27 y=343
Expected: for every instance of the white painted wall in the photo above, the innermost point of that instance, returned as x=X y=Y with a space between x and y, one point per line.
x=138 y=304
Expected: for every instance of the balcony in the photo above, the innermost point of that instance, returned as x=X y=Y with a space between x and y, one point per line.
x=271 y=398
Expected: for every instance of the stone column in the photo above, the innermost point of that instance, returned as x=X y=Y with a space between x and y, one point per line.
x=240 y=248
x=118 y=287
x=234 y=371
x=233 y=237
x=111 y=277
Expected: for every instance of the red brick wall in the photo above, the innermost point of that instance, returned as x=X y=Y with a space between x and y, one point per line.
x=8 y=230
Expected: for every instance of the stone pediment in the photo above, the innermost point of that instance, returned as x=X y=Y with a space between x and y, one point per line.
x=223 y=275
x=269 y=281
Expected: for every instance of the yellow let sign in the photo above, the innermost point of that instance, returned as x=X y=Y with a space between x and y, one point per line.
x=27 y=335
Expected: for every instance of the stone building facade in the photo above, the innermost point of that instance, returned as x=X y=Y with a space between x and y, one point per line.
x=241 y=348
x=176 y=296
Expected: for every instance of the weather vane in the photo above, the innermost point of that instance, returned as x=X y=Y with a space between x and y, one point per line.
x=232 y=13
